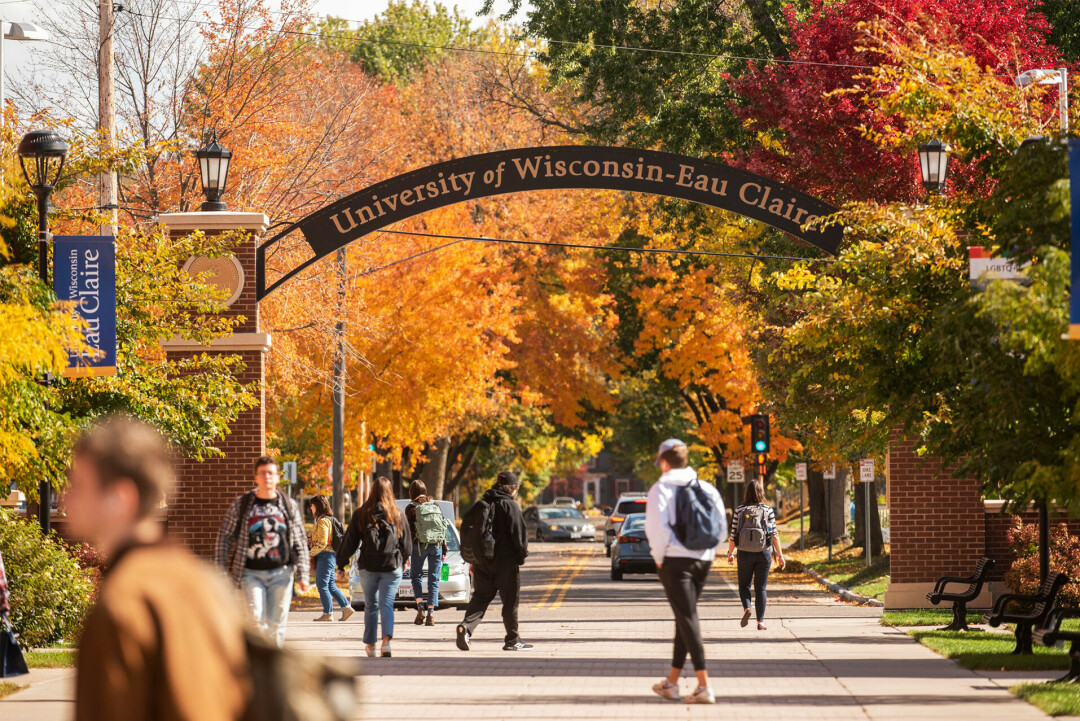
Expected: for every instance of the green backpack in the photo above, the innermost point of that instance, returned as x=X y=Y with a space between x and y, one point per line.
x=430 y=523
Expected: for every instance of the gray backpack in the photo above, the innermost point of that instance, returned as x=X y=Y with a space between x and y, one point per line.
x=752 y=528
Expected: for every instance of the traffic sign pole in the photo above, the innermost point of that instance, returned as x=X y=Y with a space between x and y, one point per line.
x=801 y=476
x=866 y=477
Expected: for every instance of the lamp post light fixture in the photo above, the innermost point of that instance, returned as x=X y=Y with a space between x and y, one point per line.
x=934 y=165
x=1059 y=77
x=16 y=31
x=41 y=155
x=214 y=172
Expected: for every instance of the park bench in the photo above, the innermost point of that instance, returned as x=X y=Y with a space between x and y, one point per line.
x=1026 y=612
x=1052 y=633
x=961 y=598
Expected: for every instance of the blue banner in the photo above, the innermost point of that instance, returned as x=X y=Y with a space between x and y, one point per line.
x=84 y=271
x=1074 y=199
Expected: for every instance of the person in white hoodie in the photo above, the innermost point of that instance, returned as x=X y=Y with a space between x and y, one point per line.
x=682 y=570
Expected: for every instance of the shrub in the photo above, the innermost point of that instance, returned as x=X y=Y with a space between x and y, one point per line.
x=1023 y=575
x=49 y=592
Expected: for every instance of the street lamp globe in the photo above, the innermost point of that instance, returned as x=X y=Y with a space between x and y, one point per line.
x=214 y=173
x=41 y=155
x=934 y=165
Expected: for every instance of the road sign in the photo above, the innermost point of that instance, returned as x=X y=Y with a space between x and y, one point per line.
x=830 y=473
x=735 y=472
x=288 y=472
x=866 y=470
x=800 y=472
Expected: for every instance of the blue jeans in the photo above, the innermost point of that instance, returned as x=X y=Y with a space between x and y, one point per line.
x=432 y=553
x=380 y=588
x=268 y=595
x=325 y=565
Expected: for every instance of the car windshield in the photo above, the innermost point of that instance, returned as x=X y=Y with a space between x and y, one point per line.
x=635 y=506
x=550 y=514
x=636 y=522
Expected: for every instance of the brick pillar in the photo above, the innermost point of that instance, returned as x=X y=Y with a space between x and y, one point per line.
x=205 y=489
x=936 y=525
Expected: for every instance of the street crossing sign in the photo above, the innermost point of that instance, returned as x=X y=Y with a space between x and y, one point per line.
x=800 y=472
x=735 y=472
x=866 y=470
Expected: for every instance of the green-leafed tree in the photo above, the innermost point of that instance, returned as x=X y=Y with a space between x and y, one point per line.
x=398 y=42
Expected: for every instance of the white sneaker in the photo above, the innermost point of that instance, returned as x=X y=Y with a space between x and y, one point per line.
x=667 y=690
x=702 y=694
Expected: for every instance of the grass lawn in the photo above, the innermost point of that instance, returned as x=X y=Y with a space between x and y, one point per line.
x=925 y=617
x=50 y=659
x=7 y=688
x=989 y=651
x=1056 y=699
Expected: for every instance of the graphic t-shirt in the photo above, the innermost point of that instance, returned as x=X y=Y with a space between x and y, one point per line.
x=268 y=536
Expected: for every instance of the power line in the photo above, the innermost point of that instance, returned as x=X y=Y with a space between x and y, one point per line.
x=457 y=48
x=602 y=248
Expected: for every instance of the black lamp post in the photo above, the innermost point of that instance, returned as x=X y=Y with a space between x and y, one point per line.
x=934 y=165
x=41 y=155
x=214 y=173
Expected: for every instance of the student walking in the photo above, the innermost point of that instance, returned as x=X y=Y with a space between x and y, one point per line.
x=753 y=532
x=165 y=637
x=378 y=529
x=262 y=545
x=501 y=573
x=428 y=529
x=682 y=570
x=325 y=537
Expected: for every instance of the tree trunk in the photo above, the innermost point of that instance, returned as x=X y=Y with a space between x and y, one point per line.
x=815 y=496
x=434 y=473
x=877 y=542
x=839 y=500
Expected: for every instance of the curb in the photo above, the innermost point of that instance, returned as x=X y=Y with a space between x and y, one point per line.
x=843 y=592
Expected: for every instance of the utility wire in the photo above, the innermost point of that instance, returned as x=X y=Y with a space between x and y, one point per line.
x=602 y=248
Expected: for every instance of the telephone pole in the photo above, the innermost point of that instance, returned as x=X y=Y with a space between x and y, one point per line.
x=107 y=194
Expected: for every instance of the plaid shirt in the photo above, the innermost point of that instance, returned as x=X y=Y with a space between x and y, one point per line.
x=231 y=550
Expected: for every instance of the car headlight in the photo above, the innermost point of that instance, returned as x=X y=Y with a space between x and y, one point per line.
x=589 y=528
x=553 y=527
x=457 y=569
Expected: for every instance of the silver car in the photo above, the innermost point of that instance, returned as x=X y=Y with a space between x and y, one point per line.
x=455 y=584
x=549 y=523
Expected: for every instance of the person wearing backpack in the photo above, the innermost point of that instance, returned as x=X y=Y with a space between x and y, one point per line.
x=378 y=529
x=428 y=527
x=325 y=539
x=494 y=540
x=753 y=532
x=684 y=523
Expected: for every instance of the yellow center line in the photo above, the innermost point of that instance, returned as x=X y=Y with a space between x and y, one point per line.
x=561 y=581
x=568 y=582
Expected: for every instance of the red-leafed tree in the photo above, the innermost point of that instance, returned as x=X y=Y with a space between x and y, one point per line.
x=814 y=136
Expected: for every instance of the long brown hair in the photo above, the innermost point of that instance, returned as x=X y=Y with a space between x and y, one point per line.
x=755 y=493
x=382 y=491
x=320 y=506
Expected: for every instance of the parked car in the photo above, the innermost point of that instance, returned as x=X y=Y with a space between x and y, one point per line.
x=549 y=523
x=565 y=501
x=628 y=503
x=455 y=585
x=630 y=551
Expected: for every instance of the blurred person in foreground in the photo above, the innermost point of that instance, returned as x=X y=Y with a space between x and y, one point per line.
x=165 y=638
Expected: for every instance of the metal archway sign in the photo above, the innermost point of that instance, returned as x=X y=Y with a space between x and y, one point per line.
x=553 y=168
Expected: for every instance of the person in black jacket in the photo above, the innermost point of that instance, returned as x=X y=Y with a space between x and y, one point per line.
x=502 y=574
x=379 y=530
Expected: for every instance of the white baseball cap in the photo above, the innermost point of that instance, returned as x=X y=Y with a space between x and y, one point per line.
x=667 y=446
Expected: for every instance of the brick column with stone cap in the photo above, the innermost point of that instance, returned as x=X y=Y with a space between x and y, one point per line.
x=205 y=489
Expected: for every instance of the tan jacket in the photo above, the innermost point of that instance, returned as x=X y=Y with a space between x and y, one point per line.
x=164 y=642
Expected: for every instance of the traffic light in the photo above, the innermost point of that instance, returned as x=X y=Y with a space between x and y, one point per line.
x=759 y=433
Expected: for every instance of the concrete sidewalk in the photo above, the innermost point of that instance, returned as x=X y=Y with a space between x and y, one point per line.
x=601 y=644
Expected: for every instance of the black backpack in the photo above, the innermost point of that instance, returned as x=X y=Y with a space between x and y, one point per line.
x=336 y=534
x=477 y=541
x=379 y=546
